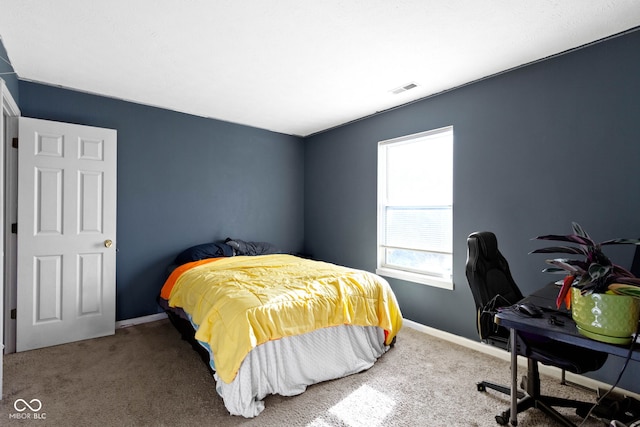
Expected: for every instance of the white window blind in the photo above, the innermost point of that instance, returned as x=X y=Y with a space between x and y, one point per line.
x=415 y=207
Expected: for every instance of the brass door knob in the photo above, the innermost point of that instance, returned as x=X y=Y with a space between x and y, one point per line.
x=108 y=243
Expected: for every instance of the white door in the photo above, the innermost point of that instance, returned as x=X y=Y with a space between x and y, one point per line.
x=66 y=233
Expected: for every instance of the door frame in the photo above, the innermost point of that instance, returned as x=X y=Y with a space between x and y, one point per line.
x=9 y=113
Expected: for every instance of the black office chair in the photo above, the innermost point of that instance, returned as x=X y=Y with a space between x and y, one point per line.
x=493 y=287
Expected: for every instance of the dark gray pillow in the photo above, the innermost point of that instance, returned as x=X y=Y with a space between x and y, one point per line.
x=252 y=248
x=203 y=251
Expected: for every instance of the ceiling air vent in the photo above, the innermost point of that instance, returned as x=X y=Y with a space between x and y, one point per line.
x=404 y=88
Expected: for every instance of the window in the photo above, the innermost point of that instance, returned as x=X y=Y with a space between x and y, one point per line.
x=415 y=208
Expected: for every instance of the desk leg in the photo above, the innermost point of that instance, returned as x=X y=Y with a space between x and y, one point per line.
x=513 y=418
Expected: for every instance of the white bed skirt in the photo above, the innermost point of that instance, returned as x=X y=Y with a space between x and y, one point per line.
x=288 y=365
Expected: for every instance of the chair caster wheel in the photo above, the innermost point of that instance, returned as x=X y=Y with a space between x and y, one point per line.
x=502 y=420
x=481 y=387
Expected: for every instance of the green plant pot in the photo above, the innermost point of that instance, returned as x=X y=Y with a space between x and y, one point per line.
x=603 y=317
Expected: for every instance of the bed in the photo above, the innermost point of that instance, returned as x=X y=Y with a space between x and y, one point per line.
x=274 y=323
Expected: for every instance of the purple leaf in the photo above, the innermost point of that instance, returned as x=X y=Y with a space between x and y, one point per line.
x=621 y=242
x=566 y=264
x=569 y=238
x=560 y=249
x=577 y=229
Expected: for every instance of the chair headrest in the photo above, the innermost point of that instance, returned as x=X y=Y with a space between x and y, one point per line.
x=487 y=244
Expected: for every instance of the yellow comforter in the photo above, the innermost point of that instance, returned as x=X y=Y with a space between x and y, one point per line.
x=241 y=302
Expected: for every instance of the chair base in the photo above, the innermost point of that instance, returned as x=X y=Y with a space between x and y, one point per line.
x=546 y=404
x=484 y=385
x=531 y=398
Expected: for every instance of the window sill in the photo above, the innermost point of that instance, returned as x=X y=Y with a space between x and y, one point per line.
x=415 y=277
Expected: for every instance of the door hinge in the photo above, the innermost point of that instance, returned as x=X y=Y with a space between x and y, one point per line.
x=14 y=142
x=14 y=228
x=13 y=313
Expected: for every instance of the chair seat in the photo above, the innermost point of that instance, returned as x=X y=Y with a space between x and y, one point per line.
x=561 y=355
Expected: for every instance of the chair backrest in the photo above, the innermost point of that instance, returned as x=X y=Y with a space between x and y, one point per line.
x=490 y=280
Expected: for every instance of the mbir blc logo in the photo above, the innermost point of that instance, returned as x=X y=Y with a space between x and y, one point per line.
x=21 y=406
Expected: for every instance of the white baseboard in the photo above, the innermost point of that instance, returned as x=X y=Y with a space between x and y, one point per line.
x=551 y=371
x=140 y=320
x=522 y=361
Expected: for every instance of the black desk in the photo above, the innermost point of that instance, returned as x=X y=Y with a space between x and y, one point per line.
x=568 y=333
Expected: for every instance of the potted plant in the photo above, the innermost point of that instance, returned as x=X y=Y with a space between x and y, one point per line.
x=604 y=297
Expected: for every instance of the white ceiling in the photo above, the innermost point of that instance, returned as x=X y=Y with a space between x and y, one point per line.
x=291 y=66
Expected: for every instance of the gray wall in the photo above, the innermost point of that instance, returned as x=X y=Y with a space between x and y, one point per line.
x=534 y=149
x=7 y=73
x=183 y=180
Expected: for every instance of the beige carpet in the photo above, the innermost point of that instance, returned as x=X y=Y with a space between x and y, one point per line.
x=147 y=376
